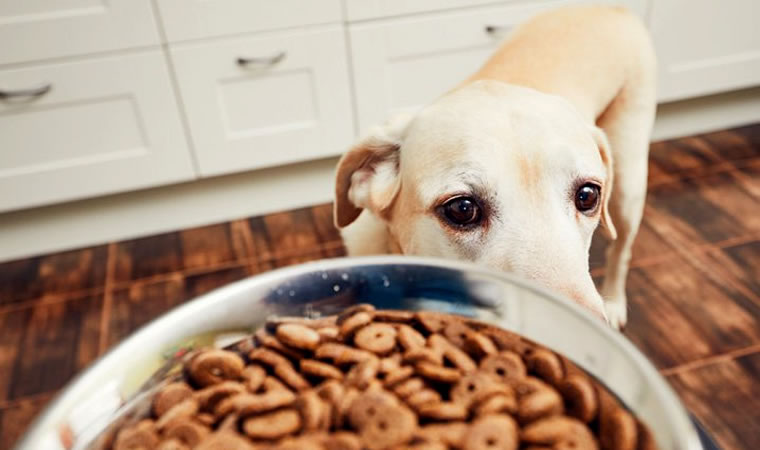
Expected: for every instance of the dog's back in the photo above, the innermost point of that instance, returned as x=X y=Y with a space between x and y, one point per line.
x=587 y=54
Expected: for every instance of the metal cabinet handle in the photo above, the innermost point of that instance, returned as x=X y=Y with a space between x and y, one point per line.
x=270 y=61
x=31 y=92
x=496 y=29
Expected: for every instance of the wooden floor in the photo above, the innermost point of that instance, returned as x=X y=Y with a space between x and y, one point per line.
x=694 y=288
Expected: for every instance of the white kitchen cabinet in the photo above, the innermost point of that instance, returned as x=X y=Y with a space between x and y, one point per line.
x=403 y=64
x=373 y=9
x=71 y=130
x=290 y=102
x=194 y=19
x=705 y=46
x=39 y=29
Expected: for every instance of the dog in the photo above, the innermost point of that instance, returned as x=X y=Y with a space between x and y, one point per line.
x=517 y=166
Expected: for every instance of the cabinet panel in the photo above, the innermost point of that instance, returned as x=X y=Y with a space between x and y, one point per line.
x=704 y=46
x=39 y=29
x=194 y=19
x=290 y=102
x=79 y=129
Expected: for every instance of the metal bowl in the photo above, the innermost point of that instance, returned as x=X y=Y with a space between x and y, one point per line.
x=97 y=396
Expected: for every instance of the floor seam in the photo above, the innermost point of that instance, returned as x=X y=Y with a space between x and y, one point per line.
x=710 y=360
x=105 y=316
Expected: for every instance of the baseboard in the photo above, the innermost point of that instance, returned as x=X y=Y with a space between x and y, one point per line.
x=141 y=213
x=705 y=114
x=151 y=211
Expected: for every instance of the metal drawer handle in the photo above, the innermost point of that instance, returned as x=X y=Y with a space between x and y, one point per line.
x=272 y=60
x=31 y=92
x=496 y=29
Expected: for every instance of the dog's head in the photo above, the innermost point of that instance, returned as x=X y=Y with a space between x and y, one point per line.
x=497 y=174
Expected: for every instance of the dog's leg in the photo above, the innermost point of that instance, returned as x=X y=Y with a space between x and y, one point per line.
x=628 y=127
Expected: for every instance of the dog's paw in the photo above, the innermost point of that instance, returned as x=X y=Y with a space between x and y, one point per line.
x=617 y=313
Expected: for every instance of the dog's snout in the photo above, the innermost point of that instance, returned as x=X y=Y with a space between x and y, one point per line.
x=591 y=301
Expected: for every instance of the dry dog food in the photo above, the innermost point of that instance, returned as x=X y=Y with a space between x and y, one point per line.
x=371 y=379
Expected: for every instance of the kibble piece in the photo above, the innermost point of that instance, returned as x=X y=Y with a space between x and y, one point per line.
x=617 y=428
x=457 y=332
x=187 y=431
x=362 y=374
x=214 y=366
x=580 y=397
x=288 y=374
x=272 y=425
x=342 y=440
x=184 y=409
x=383 y=424
x=378 y=338
x=497 y=403
x=438 y=373
x=391 y=315
x=353 y=310
x=409 y=387
x=495 y=432
x=311 y=407
x=264 y=339
x=328 y=333
x=169 y=396
x=320 y=369
x=410 y=338
x=451 y=433
x=558 y=432
x=423 y=397
x=227 y=440
x=474 y=387
x=399 y=375
x=479 y=344
x=353 y=323
x=254 y=377
x=172 y=444
x=298 y=336
x=505 y=366
x=368 y=405
x=443 y=411
x=546 y=365
x=536 y=400
x=209 y=397
x=432 y=322
x=418 y=354
x=268 y=401
x=140 y=436
x=341 y=354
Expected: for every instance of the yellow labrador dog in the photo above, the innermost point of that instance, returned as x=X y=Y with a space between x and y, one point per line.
x=516 y=167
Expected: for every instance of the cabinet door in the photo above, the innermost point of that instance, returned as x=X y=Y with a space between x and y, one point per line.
x=105 y=125
x=403 y=64
x=289 y=102
x=39 y=29
x=705 y=46
x=194 y=19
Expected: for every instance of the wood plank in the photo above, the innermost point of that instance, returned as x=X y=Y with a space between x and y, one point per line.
x=138 y=304
x=725 y=397
x=16 y=418
x=43 y=346
x=52 y=275
x=678 y=313
x=170 y=252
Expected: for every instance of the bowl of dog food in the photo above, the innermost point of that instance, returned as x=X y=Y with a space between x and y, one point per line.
x=384 y=352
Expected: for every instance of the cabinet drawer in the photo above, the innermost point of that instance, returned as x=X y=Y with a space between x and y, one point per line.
x=106 y=125
x=193 y=19
x=292 y=108
x=713 y=48
x=39 y=29
x=374 y=9
x=404 y=64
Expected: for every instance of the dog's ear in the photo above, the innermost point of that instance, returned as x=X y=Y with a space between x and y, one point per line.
x=604 y=151
x=368 y=175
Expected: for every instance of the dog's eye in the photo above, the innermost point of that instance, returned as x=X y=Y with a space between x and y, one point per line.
x=587 y=197
x=462 y=211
